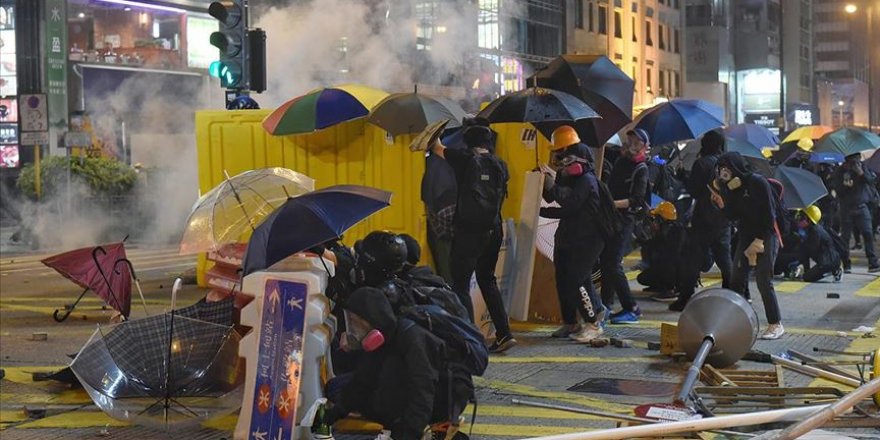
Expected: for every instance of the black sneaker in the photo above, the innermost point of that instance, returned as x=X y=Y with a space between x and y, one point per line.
x=665 y=296
x=838 y=275
x=502 y=344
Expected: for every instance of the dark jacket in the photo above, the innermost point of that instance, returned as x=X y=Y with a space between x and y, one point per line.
x=578 y=199
x=626 y=183
x=706 y=215
x=852 y=189
x=396 y=385
x=819 y=247
x=751 y=205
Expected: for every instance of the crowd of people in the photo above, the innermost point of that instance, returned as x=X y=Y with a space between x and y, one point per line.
x=407 y=346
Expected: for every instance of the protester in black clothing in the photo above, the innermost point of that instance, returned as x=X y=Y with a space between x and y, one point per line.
x=577 y=242
x=816 y=245
x=481 y=178
x=747 y=199
x=628 y=184
x=400 y=380
x=852 y=183
x=710 y=229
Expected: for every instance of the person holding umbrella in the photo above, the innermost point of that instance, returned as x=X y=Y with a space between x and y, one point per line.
x=853 y=182
x=628 y=184
x=481 y=178
x=578 y=241
x=748 y=199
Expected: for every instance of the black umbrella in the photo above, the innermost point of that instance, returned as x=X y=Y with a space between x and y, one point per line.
x=410 y=113
x=601 y=84
x=801 y=187
x=309 y=220
x=162 y=370
x=537 y=104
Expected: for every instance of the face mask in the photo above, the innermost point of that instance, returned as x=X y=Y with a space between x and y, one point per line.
x=359 y=335
x=734 y=183
x=724 y=175
x=573 y=170
x=803 y=223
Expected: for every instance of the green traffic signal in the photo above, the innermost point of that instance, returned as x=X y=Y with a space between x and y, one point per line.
x=230 y=76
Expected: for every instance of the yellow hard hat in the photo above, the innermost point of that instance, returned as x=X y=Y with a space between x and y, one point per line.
x=666 y=211
x=805 y=144
x=563 y=137
x=813 y=213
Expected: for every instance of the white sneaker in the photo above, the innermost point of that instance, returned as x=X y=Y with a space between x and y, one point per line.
x=587 y=334
x=774 y=331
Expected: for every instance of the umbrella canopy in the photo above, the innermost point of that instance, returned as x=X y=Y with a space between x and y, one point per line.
x=810 y=132
x=535 y=105
x=847 y=141
x=162 y=370
x=679 y=120
x=801 y=187
x=410 y=113
x=597 y=81
x=752 y=134
x=745 y=148
x=239 y=203
x=322 y=108
x=309 y=220
x=95 y=268
x=873 y=162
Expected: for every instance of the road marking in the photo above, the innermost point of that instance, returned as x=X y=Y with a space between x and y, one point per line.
x=525 y=390
x=130 y=253
x=522 y=431
x=139 y=265
x=790 y=286
x=74 y=419
x=858 y=345
x=872 y=289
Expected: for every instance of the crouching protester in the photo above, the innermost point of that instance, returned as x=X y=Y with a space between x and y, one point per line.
x=409 y=379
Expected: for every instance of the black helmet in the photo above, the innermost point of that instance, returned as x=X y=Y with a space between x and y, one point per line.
x=243 y=102
x=380 y=255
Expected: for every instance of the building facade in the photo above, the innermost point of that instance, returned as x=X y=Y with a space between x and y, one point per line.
x=643 y=37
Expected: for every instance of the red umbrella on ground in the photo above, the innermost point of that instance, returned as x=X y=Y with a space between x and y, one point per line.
x=97 y=269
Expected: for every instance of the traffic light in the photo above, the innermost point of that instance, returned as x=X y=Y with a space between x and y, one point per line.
x=231 y=39
x=256 y=60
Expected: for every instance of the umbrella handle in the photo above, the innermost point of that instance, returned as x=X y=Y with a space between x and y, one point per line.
x=104 y=276
x=137 y=282
x=67 y=313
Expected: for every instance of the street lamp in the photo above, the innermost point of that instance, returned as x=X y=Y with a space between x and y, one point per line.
x=850 y=8
x=840 y=105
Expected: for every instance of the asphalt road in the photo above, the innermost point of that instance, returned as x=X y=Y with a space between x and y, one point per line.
x=538 y=369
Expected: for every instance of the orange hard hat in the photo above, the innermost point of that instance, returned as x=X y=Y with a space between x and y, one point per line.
x=563 y=137
x=666 y=210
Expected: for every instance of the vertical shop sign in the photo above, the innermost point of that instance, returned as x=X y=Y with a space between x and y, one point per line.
x=56 y=65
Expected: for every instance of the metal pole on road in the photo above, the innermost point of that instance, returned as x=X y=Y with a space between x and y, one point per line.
x=829 y=412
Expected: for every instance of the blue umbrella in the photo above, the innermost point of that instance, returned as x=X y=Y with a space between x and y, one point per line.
x=309 y=220
x=755 y=135
x=679 y=120
x=744 y=148
x=801 y=187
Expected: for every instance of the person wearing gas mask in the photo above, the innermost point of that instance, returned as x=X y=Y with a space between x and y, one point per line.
x=628 y=184
x=748 y=200
x=852 y=182
x=400 y=380
x=572 y=184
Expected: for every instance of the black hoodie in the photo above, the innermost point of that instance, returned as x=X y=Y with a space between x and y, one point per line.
x=397 y=384
x=751 y=204
x=706 y=215
x=578 y=199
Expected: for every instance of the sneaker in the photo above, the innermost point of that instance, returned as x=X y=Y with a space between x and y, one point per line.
x=677 y=306
x=502 y=344
x=798 y=272
x=665 y=296
x=566 y=330
x=589 y=332
x=626 y=316
x=774 y=331
x=847 y=270
x=838 y=275
x=874 y=269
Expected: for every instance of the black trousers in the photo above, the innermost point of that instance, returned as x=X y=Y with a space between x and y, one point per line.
x=763 y=274
x=858 y=221
x=614 y=280
x=573 y=268
x=699 y=242
x=819 y=271
x=477 y=253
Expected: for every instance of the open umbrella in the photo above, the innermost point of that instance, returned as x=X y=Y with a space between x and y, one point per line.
x=679 y=120
x=96 y=269
x=810 y=132
x=410 y=113
x=322 y=108
x=752 y=134
x=847 y=141
x=597 y=81
x=801 y=187
x=873 y=162
x=309 y=220
x=162 y=370
x=744 y=148
x=238 y=204
x=537 y=104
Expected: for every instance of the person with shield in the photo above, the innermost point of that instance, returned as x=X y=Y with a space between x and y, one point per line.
x=572 y=184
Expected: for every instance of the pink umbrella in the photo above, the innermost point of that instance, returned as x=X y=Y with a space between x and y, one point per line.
x=89 y=268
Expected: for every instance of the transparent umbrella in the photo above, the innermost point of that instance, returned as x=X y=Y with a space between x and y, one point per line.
x=239 y=203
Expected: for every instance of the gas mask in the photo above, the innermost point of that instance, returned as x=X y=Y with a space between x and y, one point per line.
x=568 y=165
x=725 y=175
x=359 y=334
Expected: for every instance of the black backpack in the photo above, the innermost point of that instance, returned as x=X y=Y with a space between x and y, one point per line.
x=481 y=192
x=608 y=218
x=464 y=343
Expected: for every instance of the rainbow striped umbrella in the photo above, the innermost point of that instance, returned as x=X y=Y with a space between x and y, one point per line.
x=322 y=108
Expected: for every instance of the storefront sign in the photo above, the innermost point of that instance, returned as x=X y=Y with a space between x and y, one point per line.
x=34 y=114
x=55 y=51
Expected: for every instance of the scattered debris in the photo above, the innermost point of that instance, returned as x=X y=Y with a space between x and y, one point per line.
x=35 y=413
x=864 y=329
x=105 y=431
x=832 y=295
x=39 y=336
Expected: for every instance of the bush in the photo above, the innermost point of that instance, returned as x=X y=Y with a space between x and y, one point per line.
x=104 y=177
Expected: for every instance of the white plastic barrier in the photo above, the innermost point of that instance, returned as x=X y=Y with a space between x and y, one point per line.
x=288 y=349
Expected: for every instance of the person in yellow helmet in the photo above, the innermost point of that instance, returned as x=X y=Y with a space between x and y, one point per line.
x=818 y=245
x=664 y=251
x=571 y=183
